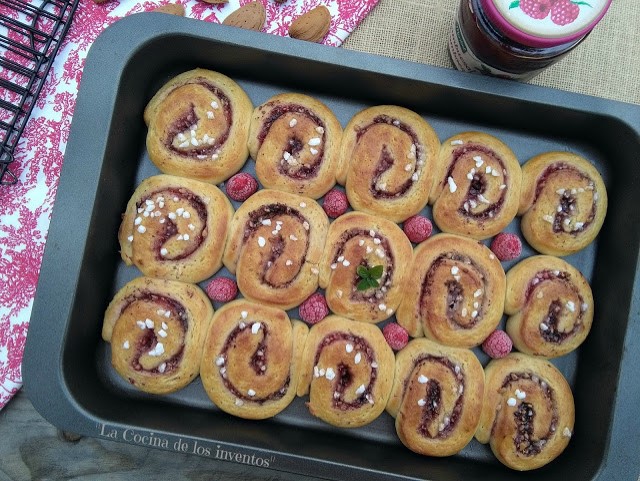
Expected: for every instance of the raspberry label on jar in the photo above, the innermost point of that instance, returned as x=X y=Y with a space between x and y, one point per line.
x=553 y=19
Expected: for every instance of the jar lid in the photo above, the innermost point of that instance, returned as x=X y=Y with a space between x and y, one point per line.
x=545 y=23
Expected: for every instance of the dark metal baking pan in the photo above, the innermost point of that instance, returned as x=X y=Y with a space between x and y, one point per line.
x=66 y=366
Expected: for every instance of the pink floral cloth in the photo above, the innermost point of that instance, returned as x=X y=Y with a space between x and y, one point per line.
x=25 y=208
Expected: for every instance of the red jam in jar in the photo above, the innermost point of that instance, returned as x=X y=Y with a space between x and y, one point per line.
x=517 y=39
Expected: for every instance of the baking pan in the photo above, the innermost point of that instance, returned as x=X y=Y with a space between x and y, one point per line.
x=66 y=367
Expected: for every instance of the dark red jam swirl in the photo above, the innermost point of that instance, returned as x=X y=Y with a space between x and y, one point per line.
x=190 y=118
x=344 y=378
x=478 y=185
x=454 y=291
x=148 y=340
x=550 y=332
x=276 y=241
x=434 y=404
x=257 y=363
x=169 y=228
x=294 y=144
x=371 y=295
x=567 y=202
x=386 y=160
x=525 y=414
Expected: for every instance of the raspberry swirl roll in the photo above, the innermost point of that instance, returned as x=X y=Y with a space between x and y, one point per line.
x=528 y=412
x=175 y=228
x=550 y=304
x=477 y=186
x=275 y=243
x=156 y=329
x=456 y=296
x=250 y=365
x=563 y=203
x=295 y=141
x=347 y=370
x=198 y=125
x=390 y=152
x=436 y=398
x=355 y=241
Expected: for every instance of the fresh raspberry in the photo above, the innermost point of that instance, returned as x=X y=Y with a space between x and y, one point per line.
x=241 y=186
x=537 y=9
x=314 y=309
x=417 y=228
x=564 y=12
x=497 y=345
x=506 y=246
x=222 y=289
x=396 y=336
x=335 y=203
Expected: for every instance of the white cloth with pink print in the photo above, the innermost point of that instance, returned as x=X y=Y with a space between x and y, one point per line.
x=25 y=208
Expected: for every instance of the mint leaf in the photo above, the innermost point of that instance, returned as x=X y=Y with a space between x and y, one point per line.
x=363 y=285
x=362 y=272
x=373 y=283
x=376 y=272
x=514 y=4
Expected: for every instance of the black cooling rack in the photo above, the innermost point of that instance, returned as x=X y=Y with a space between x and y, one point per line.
x=30 y=35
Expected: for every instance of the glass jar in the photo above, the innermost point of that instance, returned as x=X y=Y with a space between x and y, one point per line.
x=517 y=39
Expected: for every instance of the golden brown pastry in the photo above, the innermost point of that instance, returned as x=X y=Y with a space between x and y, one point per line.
x=456 y=293
x=156 y=329
x=391 y=153
x=357 y=240
x=295 y=141
x=198 y=124
x=347 y=370
x=563 y=203
x=550 y=304
x=175 y=228
x=436 y=397
x=477 y=185
x=528 y=411
x=250 y=365
x=274 y=247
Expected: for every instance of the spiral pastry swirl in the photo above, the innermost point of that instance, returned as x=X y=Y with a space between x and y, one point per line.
x=390 y=152
x=457 y=294
x=358 y=240
x=528 y=412
x=156 y=329
x=347 y=370
x=198 y=126
x=436 y=397
x=563 y=203
x=250 y=365
x=477 y=186
x=550 y=306
x=175 y=228
x=275 y=243
x=295 y=141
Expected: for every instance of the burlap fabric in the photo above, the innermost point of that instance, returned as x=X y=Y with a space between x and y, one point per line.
x=606 y=64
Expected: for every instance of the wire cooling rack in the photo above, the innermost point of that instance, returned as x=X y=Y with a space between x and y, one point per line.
x=30 y=35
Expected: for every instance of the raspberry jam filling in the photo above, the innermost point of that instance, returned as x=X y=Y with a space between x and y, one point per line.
x=370 y=295
x=293 y=145
x=474 y=197
x=455 y=291
x=386 y=160
x=550 y=325
x=276 y=241
x=434 y=409
x=168 y=228
x=148 y=340
x=344 y=378
x=190 y=119
x=524 y=415
x=257 y=363
x=567 y=205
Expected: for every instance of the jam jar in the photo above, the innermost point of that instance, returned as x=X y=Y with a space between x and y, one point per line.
x=517 y=39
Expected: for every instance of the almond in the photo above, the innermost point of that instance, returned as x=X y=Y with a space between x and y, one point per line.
x=171 y=8
x=251 y=16
x=313 y=26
